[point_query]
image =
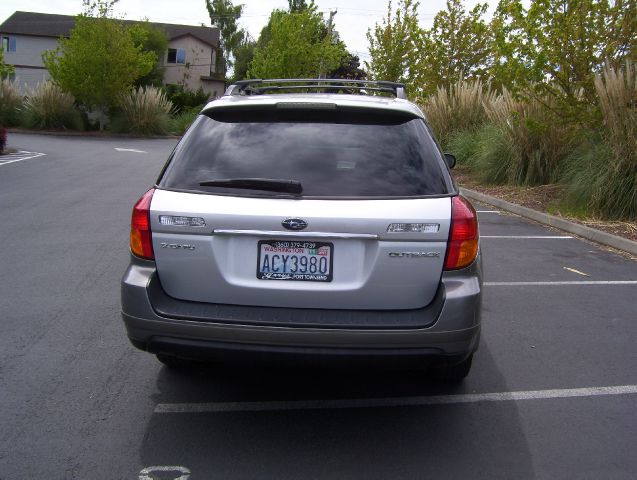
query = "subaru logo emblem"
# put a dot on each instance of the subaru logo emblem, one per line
(294, 223)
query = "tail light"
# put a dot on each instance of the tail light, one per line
(141, 239)
(463, 235)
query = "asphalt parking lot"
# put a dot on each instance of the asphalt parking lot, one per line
(552, 393)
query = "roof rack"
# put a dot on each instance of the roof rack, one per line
(258, 86)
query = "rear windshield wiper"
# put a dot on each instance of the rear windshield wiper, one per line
(268, 184)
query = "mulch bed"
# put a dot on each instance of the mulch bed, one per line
(544, 198)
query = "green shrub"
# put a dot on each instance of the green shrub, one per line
(185, 99)
(464, 145)
(602, 171)
(145, 111)
(519, 142)
(181, 122)
(458, 108)
(533, 139)
(10, 103)
(485, 151)
(594, 186)
(47, 106)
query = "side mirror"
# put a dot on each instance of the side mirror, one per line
(451, 160)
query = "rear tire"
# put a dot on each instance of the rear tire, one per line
(455, 372)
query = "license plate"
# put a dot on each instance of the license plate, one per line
(301, 261)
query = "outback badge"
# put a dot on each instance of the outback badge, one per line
(415, 254)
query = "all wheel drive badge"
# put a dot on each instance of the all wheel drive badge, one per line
(294, 224)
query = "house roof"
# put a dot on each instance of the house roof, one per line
(51, 25)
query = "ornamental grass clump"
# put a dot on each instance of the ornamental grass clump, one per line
(10, 103)
(461, 107)
(182, 121)
(47, 106)
(602, 171)
(525, 142)
(145, 111)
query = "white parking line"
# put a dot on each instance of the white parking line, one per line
(134, 150)
(19, 156)
(574, 282)
(268, 406)
(544, 237)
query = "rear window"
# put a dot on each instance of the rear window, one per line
(331, 153)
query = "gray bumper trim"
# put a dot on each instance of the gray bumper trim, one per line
(166, 306)
(456, 330)
(298, 356)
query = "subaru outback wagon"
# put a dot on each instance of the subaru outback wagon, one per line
(306, 218)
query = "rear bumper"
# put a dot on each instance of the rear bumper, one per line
(450, 326)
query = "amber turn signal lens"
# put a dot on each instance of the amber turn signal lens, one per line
(463, 235)
(141, 240)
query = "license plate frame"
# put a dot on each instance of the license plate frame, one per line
(292, 249)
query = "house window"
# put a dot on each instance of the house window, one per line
(176, 55)
(8, 44)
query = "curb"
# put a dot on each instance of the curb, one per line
(583, 231)
(89, 134)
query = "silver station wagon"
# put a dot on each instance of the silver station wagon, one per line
(306, 219)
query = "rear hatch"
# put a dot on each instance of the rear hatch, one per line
(305, 208)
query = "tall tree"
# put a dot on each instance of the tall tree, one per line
(298, 46)
(224, 15)
(99, 8)
(150, 38)
(244, 54)
(349, 68)
(508, 68)
(457, 46)
(394, 45)
(296, 6)
(565, 42)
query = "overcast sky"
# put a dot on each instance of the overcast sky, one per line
(352, 21)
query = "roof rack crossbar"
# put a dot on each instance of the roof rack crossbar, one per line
(260, 90)
(242, 87)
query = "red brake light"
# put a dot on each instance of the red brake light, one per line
(141, 241)
(463, 235)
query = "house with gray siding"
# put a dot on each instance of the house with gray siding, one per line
(189, 61)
